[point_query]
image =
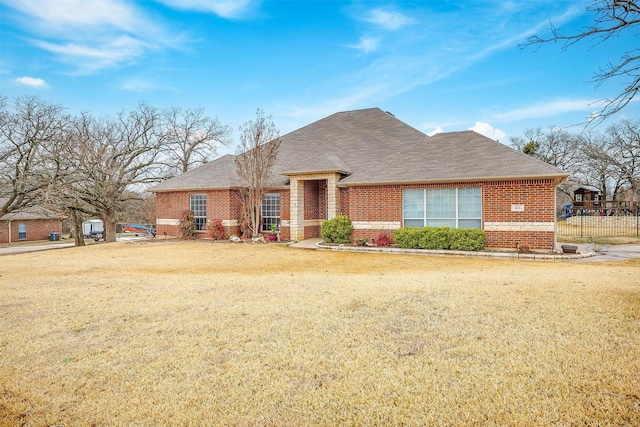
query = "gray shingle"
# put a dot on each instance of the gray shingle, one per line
(31, 212)
(372, 146)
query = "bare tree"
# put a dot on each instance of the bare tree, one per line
(191, 138)
(596, 165)
(624, 140)
(609, 161)
(31, 131)
(611, 18)
(257, 154)
(113, 157)
(555, 146)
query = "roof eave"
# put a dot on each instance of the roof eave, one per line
(315, 172)
(559, 179)
(234, 187)
(183, 189)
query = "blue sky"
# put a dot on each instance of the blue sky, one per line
(436, 65)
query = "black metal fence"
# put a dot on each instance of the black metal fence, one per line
(599, 222)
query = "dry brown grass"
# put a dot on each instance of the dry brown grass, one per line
(172, 333)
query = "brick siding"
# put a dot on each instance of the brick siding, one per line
(37, 229)
(379, 208)
(384, 204)
(221, 204)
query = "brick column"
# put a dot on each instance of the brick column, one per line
(333, 196)
(296, 194)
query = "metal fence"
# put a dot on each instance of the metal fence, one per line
(599, 222)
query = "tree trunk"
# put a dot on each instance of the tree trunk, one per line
(109, 233)
(77, 228)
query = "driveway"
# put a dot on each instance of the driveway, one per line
(609, 252)
(18, 248)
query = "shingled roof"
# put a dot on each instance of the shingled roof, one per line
(28, 213)
(373, 147)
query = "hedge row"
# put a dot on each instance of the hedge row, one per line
(438, 238)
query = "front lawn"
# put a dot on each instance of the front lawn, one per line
(195, 333)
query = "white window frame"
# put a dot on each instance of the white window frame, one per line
(269, 216)
(198, 205)
(22, 231)
(426, 219)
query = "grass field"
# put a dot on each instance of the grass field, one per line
(196, 333)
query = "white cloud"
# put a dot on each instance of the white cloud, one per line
(547, 109)
(88, 58)
(489, 131)
(436, 130)
(63, 18)
(367, 44)
(138, 85)
(222, 8)
(388, 20)
(31, 81)
(91, 34)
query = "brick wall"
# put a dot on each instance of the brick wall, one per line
(221, 204)
(377, 209)
(37, 229)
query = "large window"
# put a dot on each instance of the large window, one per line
(452, 207)
(198, 205)
(270, 211)
(22, 231)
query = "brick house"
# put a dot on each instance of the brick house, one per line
(29, 224)
(383, 174)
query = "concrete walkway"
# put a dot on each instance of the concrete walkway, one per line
(22, 248)
(306, 244)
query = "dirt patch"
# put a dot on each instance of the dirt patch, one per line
(191, 333)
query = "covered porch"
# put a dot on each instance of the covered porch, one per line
(314, 198)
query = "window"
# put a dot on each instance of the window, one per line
(198, 205)
(578, 197)
(451, 207)
(270, 211)
(22, 231)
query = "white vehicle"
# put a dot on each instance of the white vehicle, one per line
(93, 229)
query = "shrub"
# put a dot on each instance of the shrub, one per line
(407, 237)
(216, 230)
(467, 239)
(337, 230)
(383, 239)
(435, 238)
(187, 225)
(438, 238)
